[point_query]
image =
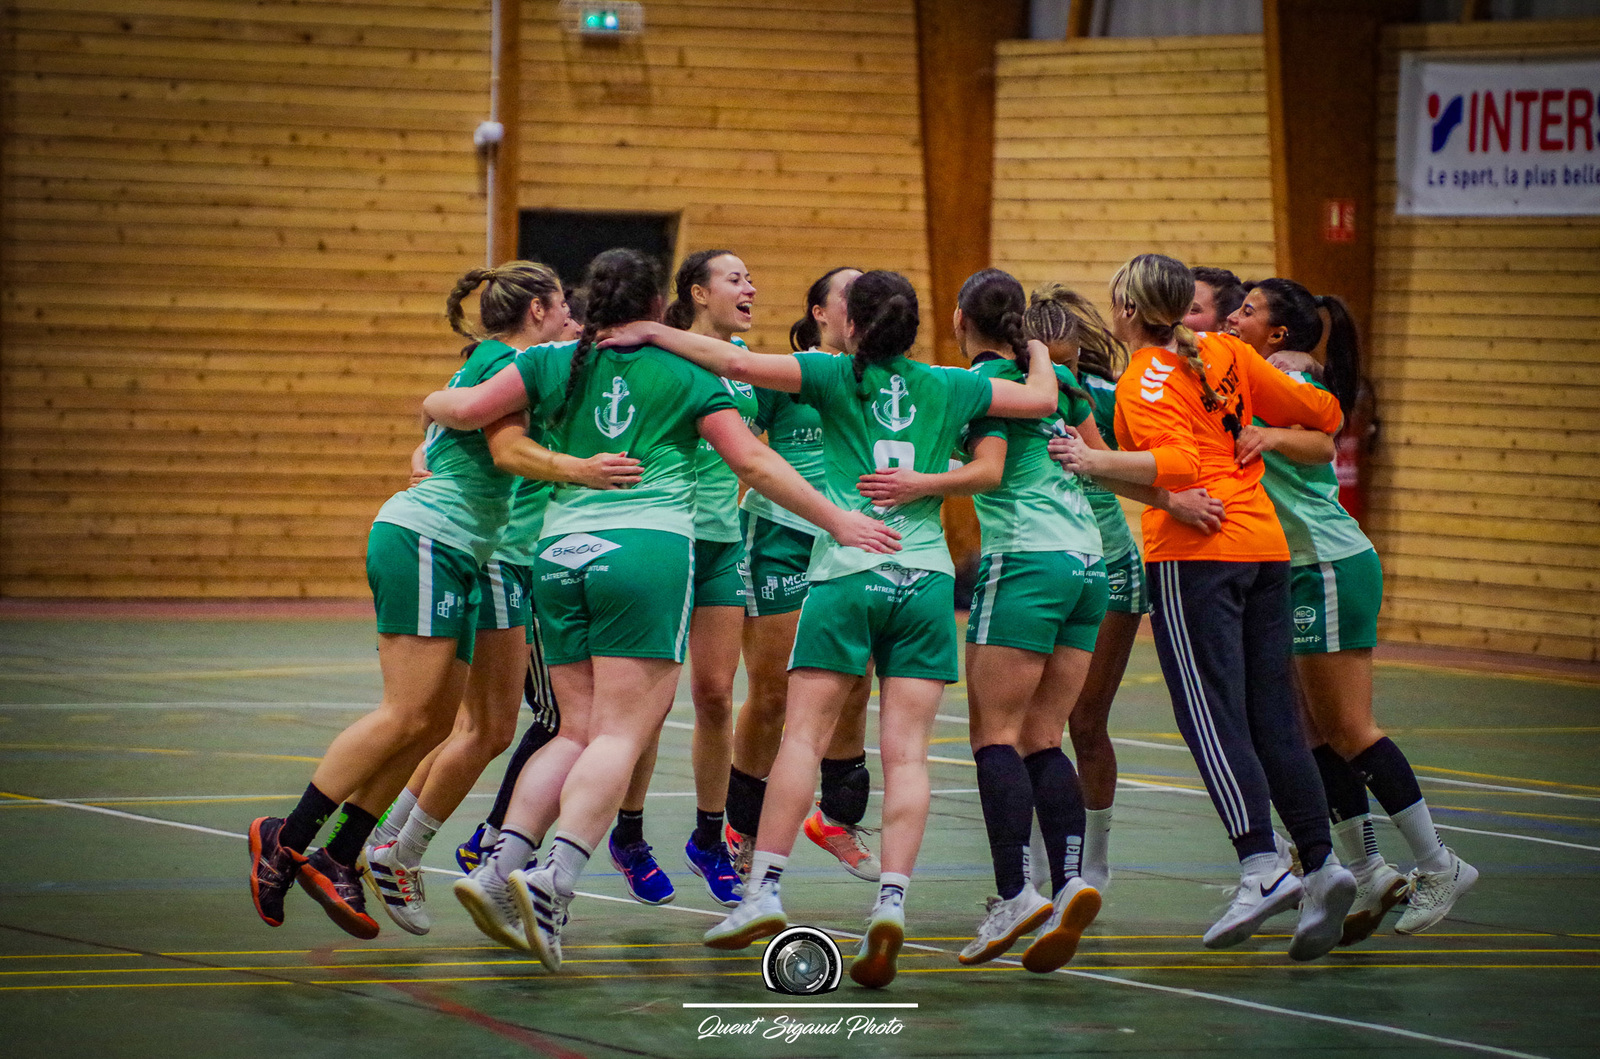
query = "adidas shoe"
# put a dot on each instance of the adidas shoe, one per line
(544, 913)
(714, 867)
(756, 917)
(874, 965)
(741, 849)
(399, 888)
(337, 888)
(1256, 899)
(844, 842)
(1005, 920)
(1434, 893)
(470, 853)
(1073, 909)
(488, 900)
(1328, 894)
(647, 883)
(1377, 890)
(272, 869)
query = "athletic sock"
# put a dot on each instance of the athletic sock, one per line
(1059, 801)
(846, 783)
(892, 889)
(491, 835)
(1259, 866)
(350, 835)
(568, 858)
(767, 870)
(1097, 846)
(1392, 781)
(532, 740)
(707, 830)
(746, 794)
(394, 818)
(306, 819)
(511, 853)
(1006, 793)
(1255, 843)
(1356, 843)
(415, 836)
(1347, 796)
(1416, 824)
(629, 828)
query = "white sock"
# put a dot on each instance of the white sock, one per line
(1416, 824)
(388, 828)
(415, 836)
(1350, 839)
(767, 871)
(892, 888)
(1259, 865)
(568, 858)
(1097, 847)
(491, 835)
(511, 853)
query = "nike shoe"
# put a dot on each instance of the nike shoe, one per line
(1378, 889)
(714, 867)
(470, 853)
(646, 881)
(272, 869)
(1005, 920)
(1073, 909)
(337, 889)
(1434, 893)
(1257, 899)
(844, 842)
(1327, 896)
(399, 888)
(487, 899)
(544, 913)
(756, 917)
(874, 965)
(741, 850)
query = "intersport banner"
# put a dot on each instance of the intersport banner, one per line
(1498, 137)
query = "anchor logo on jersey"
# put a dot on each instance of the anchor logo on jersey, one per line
(888, 412)
(612, 423)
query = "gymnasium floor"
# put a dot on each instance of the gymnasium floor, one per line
(133, 754)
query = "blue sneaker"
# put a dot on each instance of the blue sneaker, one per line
(470, 853)
(716, 868)
(646, 881)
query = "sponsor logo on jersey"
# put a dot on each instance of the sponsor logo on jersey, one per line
(895, 412)
(1153, 383)
(608, 415)
(514, 597)
(1304, 618)
(741, 389)
(446, 606)
(577, 549)
(1117, 582)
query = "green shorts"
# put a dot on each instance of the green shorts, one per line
(1336, 604)
(507, 596)
(719, 574)
(776, 560)
(421, 587)
(1127, 591)
(1038, 601)
(623, 593)
(904, 620)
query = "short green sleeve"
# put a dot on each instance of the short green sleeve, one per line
(706, 394)
(822, 377)
(767, 408)
(970, 395)
(544, 372)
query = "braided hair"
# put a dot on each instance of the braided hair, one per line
(694, 272)
(622, 286)
(511, 289)
(1160, 290)
(1057, 314)
(883, 307)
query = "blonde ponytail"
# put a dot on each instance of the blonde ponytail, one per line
(511, 289)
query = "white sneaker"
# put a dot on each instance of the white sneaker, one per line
(1434, 893)
(488, 901)
(544, 912)
(399, 888)
(874, 965)
(1071, 913)
(1257, 899)
(1378, 889)
(1005, 921)
(758, 916)
(1329, 893)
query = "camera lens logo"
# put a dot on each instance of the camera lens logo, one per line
(802, 961)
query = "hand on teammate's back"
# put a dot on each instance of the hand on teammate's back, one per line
(1196, 508)
(610, 470)
(858, 530)
(892, 486)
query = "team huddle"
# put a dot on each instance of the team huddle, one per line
(576, 500)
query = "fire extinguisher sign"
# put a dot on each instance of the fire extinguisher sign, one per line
(1339, 220)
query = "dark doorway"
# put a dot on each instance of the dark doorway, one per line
(567, 240)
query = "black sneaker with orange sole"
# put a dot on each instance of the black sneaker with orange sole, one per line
(272, 869)
(337, 889)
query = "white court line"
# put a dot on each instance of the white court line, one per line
(1512, 790)
(802, 1004)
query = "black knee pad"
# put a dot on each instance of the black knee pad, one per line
(746, 794)
(845, 786)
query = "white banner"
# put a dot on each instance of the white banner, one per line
(1498, 137)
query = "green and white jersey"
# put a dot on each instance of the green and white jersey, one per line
(716, 500)
(902, 414)
(1037, 507)
(1318, 527)
(519, 542)
(465, 501)
(1115, 536)
(794, 430)
(642, 401)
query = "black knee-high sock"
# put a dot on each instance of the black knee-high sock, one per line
(355, 825)
(1059, 800)
(307, 819)
(1347, 797)
(629, 828)
(845, 786)
(707, 829)
(746, 794)
(1007, 797)
(1388, 774)
(535, 737)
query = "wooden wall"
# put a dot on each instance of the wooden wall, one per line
(1486, 358)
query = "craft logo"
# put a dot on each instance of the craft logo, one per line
(1304, 617)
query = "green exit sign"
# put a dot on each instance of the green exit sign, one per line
(619, 18)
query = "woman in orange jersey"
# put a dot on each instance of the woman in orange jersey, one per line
(1221, 618)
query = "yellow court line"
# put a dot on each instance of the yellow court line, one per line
(1509, 812)
(557, 977)
(951, 739)
(168, 751)
(1463, 671)
(165, 801)
(101, 676)
(139, 985)
(1524, 730)
(1513, 779)
(74, 956)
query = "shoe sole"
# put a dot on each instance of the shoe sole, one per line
(751, 932)
(732, 902)
(522, 894)
(1054, 950)
(822, 842)
(255, 884)
(875, 967)
(1317, 944)
(1472, 881)
(1001, 945)
(477, 907)
(1358, 926)
(356, 924)
(667, 900)
(1280, 904)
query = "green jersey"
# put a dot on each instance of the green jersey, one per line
(465, 500)
(794, 430)
(901, 414)
(716, 497)
(519, 543)
(641, 401)
(1037, 507)
(1318, 527)
(1114, 534)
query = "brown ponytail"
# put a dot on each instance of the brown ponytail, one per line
(512, 289)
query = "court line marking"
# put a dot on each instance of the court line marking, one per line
(1514, 779)
(196, 674)
(802, 1004)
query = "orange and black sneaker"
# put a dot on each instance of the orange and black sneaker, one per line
(337, 888)
(844, 842)
(272, 869)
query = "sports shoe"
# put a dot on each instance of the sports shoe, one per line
(488, 900)
(1256, 899)
(713, 866)
(337, 889)
(1434, 893)
(470, 853)
(646, 881)
(756, 917)
(741, 849)
(844, 842)
(272, 869)
(1377, 890)
(544, 913)
(1071, 913)
(1327, 896)
(399, 888)
(874, 965)
(1005, 920)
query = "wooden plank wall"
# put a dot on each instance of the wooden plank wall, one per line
(1486, 358)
